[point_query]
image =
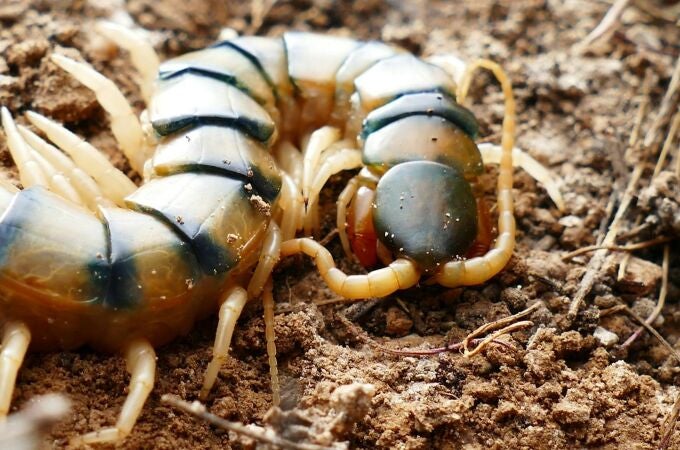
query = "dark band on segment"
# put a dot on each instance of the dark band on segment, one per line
(430, 103)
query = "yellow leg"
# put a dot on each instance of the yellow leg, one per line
(319, 141)
(293, 207)
(232, 305)
(268, 304)
(344, 200)
(142, 53)
(112, 182)
(401, 274)
(14, 345)
(269, 256)
(125, 125)
(87, 189)
(30, 172)
(478, 270)
(141, 363)
(491, 154)
(344, 159)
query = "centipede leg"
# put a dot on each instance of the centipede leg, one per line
(232, 305)
(344, 200)
(344, 159)
(30, 172)
(86, 188)
(319, 141)
(141, 364)
(268, 305)
(293, 206)
(113, 183)
(14, 345)
(269, 256)
(400, 274)
(142, 53)
(125, 125)
(491, 154)
(34, 168)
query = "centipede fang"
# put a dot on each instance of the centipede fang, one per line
(89, 258)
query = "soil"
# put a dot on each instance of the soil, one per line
(554, 385)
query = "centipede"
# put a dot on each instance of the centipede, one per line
(90, 258)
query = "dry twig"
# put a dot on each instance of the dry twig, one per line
(197, 409)
(617, 248)
(608, 24)
(659, 304)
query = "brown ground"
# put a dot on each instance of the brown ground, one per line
(559, 387)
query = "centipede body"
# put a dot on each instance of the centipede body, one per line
(148, 263)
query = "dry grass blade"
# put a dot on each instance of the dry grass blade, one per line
(609, 22)
(596, 262)
(492, 338)
(667, 104)
(617, 248)
(667, 144)
(456, 346)
(500, 324)
(660, 303)
(669, 425)
(259, 434)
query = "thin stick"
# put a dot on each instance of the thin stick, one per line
(617, 248)
(453, 347)
(668, 13)
(596, 262)
(495, 325)
(666, 104)
(662, 298)
(608, 23)
(197, 409)
(669, 424)
(667, 144)
(487, 340)
(642, 109)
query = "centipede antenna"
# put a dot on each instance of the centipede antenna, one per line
(125, 125)
(112, 182)
(491, 154)
(30, 172)
(142, 53)
(477, 270)
(87, 188)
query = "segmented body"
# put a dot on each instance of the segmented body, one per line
(197, 223)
